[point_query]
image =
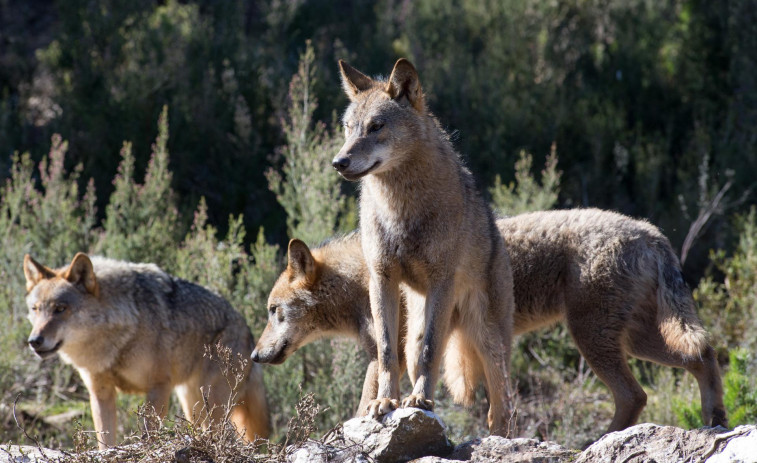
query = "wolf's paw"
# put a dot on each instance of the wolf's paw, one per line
(418, 401)
(377, 408)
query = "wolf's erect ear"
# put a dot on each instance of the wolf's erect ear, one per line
(301, 262)
(404, 83)
(353, 81)
(81, 272)
(35, 272)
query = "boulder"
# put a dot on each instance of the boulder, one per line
(650, 442)
(402, 435)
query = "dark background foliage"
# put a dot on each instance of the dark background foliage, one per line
(638, 96)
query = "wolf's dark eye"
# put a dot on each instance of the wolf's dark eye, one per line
(272, 309)
(59, 308)
(375, 127)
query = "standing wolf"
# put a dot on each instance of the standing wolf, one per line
(615, 281)
(135, 328)
(426, 228)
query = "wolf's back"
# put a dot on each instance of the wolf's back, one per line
(162, 300)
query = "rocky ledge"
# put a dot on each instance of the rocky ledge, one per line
(419, 436)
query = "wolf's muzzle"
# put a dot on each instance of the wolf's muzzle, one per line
(37, 343)
(340, 164)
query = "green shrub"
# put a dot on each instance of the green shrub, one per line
(309, 190)
(740, 388)
(526, 194)
(727, 304)
(142, 221)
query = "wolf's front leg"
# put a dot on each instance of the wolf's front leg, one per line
(102, 399)
(384, 296)
(436, 313)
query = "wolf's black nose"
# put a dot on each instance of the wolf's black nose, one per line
(36, 341)
(341, 163)
(255, 357)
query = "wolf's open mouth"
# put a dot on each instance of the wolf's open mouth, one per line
(47, 353)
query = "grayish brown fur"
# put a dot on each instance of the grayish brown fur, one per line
(135, 328)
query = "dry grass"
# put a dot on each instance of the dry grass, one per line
(182, 440)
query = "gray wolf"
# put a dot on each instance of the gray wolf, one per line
(613, 280)
(134, 328)
(425, 228)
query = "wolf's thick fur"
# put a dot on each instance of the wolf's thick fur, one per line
(425, 228)
(613, 279)
(135, 328)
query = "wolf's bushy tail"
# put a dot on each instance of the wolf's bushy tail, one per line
(462, 370)
(676, 314)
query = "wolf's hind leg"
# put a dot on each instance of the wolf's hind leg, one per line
(650, 345)
(599, 341)
(492, 338)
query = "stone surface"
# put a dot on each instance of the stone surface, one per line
(738, 446)
(499, 449)
(29, 454)
(402, 435)
(650, 442)
(418, 436)
(317, 452)
(495, 448)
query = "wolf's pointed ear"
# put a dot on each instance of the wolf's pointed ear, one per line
(81, 272)
(35, 272)
(301, 261)
(353, 81)
(404, 83)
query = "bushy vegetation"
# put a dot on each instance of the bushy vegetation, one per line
(636, 95)
(651, 107)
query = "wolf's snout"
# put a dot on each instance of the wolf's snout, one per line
(255, 356)
(340, 164)
(35, 342)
